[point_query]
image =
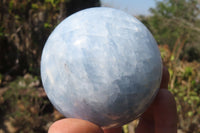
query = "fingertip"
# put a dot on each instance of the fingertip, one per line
(165, 97)
(71, 125)
(165, 78)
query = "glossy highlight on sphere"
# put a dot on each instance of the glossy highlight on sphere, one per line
(101, 65)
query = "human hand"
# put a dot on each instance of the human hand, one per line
(161, 117)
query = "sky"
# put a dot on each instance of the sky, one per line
(134, 7)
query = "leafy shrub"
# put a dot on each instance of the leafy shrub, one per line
(24, 104)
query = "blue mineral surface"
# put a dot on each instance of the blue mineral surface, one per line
(101, 65)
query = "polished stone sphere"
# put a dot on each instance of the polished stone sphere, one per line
(101, 65)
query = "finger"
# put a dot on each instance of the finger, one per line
(165, 79)
(165, 114)
(70, 125)
(113, 130)
(146, 123)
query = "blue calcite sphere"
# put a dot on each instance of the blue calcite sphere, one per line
(101, 65)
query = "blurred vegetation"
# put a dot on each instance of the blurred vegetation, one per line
(25, 26)
(25, 106)
(177, 24)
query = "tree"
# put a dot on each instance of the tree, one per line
(24, 28)
(176, 23)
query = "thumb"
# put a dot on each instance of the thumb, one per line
(71, 125)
